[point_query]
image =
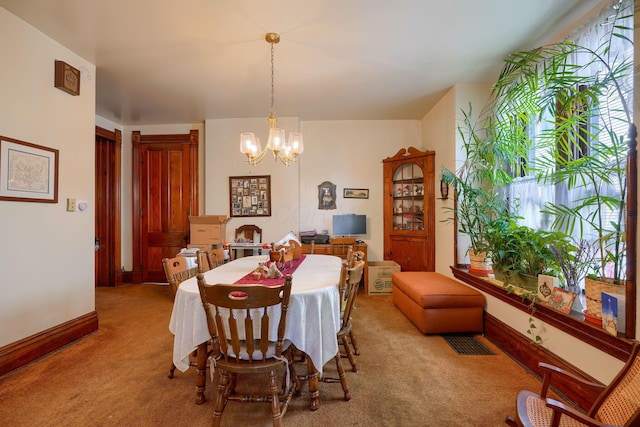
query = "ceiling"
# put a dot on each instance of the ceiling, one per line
(184, 61)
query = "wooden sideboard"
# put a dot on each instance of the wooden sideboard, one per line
(340, 250)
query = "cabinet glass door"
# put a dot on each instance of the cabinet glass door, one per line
(408, 198)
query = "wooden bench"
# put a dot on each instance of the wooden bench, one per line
(437, 304)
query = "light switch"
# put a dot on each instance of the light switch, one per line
(71, 205)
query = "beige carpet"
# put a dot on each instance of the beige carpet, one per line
(117, 376)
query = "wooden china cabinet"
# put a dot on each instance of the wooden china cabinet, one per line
(409, 203)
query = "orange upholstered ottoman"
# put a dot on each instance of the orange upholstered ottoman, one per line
(437, 304)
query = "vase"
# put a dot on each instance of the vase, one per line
(593, 292)
(480, 264)
(578, 305)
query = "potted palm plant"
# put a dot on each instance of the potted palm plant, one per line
(476, 201)
(584, 147)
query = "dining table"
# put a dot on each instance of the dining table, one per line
(313, 316)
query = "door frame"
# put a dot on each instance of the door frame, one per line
(137, 140)
(108, 214)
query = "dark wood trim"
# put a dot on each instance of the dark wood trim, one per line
(136, 272)
(631, 230)
(109, 206)
(20, 353)
(193, 141)
(573, 325)
(529, 354)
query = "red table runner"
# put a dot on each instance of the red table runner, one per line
(287, 268)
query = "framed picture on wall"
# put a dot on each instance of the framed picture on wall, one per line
(250, 195)
(355, 193)
(28, 172)
(327, 196)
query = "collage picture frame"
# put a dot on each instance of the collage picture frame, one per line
(250, 195)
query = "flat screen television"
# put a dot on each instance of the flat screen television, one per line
(349, 225)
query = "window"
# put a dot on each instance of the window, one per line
(563, 112)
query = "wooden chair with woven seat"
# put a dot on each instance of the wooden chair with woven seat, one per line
(618, 403)
(239, 318)
(177, 271)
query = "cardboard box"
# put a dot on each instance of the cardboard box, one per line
(380, 277)
(207, 229)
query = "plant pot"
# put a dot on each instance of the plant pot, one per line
(505, 276)
(591, 319)
(593, 291)
(480, 263)
(528, 282)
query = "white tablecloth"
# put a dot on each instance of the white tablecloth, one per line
(313, 319)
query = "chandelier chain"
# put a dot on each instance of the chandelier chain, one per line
(273, 112)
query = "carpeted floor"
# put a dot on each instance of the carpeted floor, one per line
(117, 376)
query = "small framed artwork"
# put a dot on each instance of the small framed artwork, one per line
(67, 78)
(356, 193)
(561, 300)
(28, 172)
(326, 196)
(546, 284)
(250, 195)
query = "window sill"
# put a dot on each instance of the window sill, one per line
(572, 324)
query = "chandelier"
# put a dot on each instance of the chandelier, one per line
(285, 151)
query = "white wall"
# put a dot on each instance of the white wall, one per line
(47, 267)
(349, 154)
(439, 134)
(346, 153)
(223, 159)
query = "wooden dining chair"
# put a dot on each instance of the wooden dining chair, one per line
(348, 298)
(177, 271)
(202, 258)
(251, 232)
(215, 257)
(339, 246)
(348, 289)
(355, 256)
(239, 318)
(617, 405)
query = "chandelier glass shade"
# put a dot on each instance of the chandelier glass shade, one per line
(287, 151)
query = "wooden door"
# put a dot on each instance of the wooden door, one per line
(165, 193)
(108, 258)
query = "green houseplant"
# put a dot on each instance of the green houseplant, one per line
(583, 148)
(474, 183)
(520, 253)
